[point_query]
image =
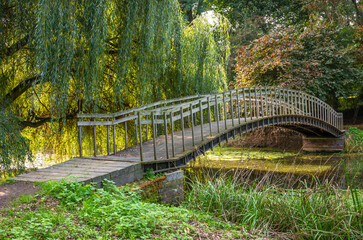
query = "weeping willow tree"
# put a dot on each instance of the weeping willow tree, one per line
(59, 58)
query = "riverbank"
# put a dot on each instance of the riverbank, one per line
(219, 209)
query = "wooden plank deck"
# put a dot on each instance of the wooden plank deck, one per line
(88, 169)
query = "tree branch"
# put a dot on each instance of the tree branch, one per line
(18, 90)
(41, 121)
(16, 46)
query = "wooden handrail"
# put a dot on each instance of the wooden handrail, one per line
(238, 105)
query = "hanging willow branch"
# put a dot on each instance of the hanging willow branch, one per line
(134, 52)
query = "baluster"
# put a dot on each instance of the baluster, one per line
(125, 128)
(262, 102)
(225, 110)
(209, 116)
(140, 134)
(182, 127)
(108, 138)
(266, 102)
(238, 108)
(256, 104)
(216, 113)
(147, 128)
(201, 119)
(192, 124)
(166, 136)
(94, 139)
(306, 98)
(280, 103)
(172, 134)
(249, 91)
(284, 100)
(273, 100)
(80, 140)
(114, 136)
(244, 104)
(136, 127)
(154, 134)
(231, 100)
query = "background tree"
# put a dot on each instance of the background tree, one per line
(318, 52)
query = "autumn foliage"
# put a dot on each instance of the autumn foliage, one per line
(318, 58)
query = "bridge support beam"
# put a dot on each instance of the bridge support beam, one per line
(315, 144)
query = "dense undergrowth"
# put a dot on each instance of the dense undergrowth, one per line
(68, 210)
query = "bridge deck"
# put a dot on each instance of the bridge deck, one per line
(95, 169)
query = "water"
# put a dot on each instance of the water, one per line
(286, 169)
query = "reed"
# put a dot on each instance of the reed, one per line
(318, 211)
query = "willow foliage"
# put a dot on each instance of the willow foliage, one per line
(59, 58)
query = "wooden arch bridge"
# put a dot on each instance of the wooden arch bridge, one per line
(166, 135)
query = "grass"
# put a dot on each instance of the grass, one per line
(354, 140)
(319, 212)
(70, 210)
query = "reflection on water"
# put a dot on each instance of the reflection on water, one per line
(286, 169)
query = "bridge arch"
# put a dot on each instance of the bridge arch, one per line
(173, 132)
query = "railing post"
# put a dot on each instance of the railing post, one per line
(231, 100)
(290, 101)
(192, 123)
(172, 134)
(238, 107)
(306, 100)
(285, 102)
(261, 102)
(272, 100)
(249, 91)
(140, 134)
(108, 138)
(114, 136)
(216, 113)
(266, 102)
(244, 104)
(154, 134)
(94, 139)
(125, 128)
(296, 103)
(80, 140)
(225, 110)
(136, 131)
(182, 127)
(166, 136)
(201, 119)
(257, 105)
(209, 117)
(147, 130)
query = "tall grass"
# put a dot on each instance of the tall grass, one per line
(354, 140)
(322, 211)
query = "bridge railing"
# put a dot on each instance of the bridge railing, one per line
(231, 107)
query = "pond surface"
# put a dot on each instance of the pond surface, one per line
(286, 169)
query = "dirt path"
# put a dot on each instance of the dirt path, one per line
(10, 191)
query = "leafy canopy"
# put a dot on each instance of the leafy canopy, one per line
(59, 58)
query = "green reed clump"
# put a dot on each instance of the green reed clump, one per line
(321, 212)
(354, 140)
